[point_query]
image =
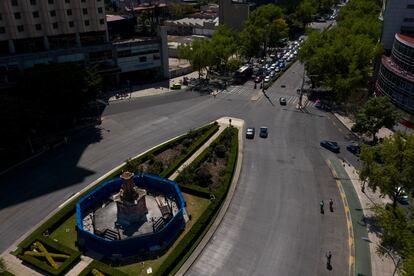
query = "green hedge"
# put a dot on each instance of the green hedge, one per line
(6, 273)
(68, 210)
(190, 151)
(189, 242)
(103, 268)
(50, 225)
(57, 248)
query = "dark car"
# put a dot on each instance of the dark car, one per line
(250, 133)
(263, 132)
(282, 101)
(330, 145)
(355, 149)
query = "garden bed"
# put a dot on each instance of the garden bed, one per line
(49, 256)
(214, 187)
(171, 154)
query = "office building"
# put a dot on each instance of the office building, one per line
(397, 17)
(396, 75)
(36, 32)
(233, 13)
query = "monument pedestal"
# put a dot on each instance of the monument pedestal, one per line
(130, 202)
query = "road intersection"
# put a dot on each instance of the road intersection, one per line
(273, 225)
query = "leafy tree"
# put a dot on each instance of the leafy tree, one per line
(264, 27)
(397, 236)
(199, 53)
(223, 45)
(378, 112)
(341, 58)
(305, 12)
(394, 173)
(203, 177)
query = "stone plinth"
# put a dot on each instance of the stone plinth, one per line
(130, 202)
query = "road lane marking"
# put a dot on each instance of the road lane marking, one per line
(348, 218)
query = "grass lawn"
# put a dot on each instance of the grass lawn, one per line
(195, 207)
(66, 233)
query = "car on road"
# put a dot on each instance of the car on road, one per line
(282, 101)
(330, 145)
(267, 79)
(263, 132)
(250, 132)
(354, 149)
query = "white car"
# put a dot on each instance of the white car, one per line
(250, 133)
(267, 79)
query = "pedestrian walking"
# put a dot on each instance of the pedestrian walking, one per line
(321, 204)
(331, 205)
(328, 260)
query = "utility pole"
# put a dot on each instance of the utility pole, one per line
(301, 88)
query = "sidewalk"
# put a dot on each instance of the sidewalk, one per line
(348, 123)
(380, 266)
(153, 88)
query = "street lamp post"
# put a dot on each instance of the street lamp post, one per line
(396, 263)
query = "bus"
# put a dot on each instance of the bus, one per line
(243, 74)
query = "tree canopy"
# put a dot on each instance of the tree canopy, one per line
(264, 27)
(397, 236)
(388, 166)
(377, 112)
(215, 52)
(342, 57)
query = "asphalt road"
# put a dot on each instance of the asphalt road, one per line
(273, 225)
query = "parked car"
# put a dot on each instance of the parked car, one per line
(175, 86)
(403, 196)
(282, 101)
(267, 79)
(354, 149)
(250, 132)
(330, 145)
(263, 132)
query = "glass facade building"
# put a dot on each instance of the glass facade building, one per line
(396, 74)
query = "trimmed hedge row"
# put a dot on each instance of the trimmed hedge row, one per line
(6, 273)
(193, 188)
(50, 244)
(101, 267)
(68, 210)
(190, 151)
(197, 232)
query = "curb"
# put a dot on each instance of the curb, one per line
(207, 237)
(360, 253)
(73, 197)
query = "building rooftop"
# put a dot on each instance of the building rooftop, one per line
(194, 22)
(407, 40)
(113, 17)
(393, 67)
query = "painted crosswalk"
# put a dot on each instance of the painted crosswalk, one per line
(294, 100)
(236, 90)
